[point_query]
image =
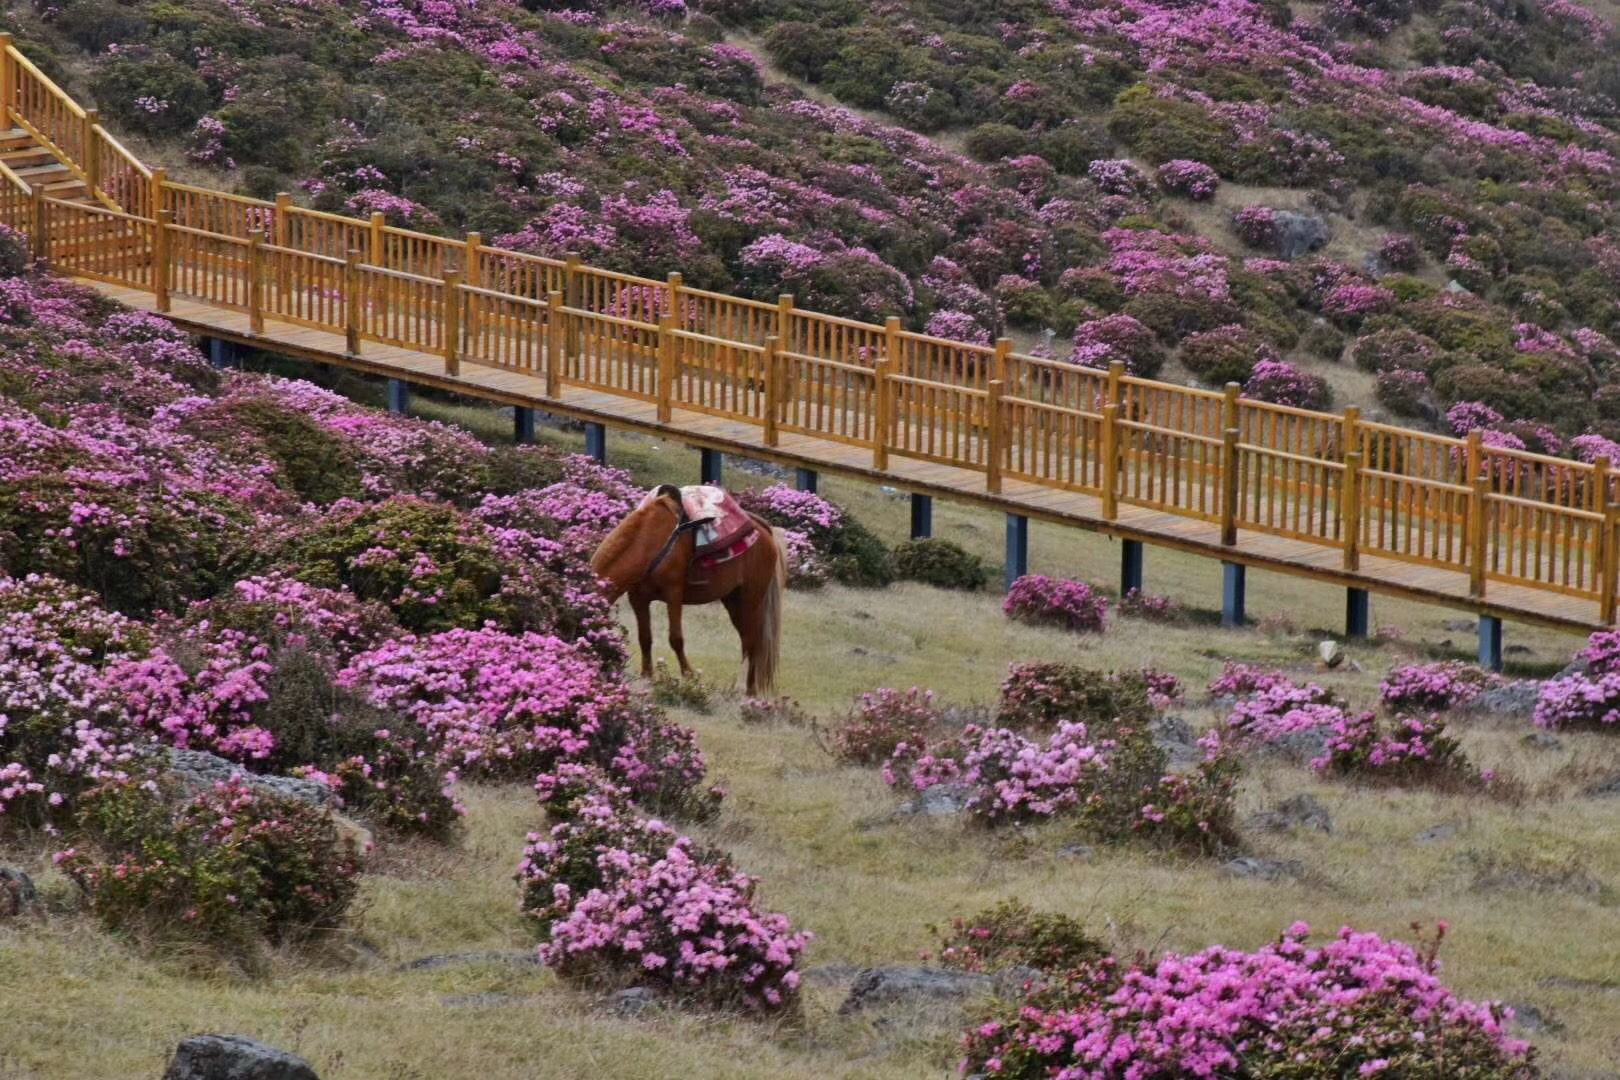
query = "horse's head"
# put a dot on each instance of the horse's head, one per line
(626, 554)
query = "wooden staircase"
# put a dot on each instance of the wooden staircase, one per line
(40, 168)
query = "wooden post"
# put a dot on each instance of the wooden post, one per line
(1350, 431)
(8, 81)
(92, 151)
(667, 345)
(353, 302)
(160, 177)
(998, 361)
(1230, 463)
(992, 462)
(452, 323)
(1478, 537)
(784, 321)
(1116, 383)
(375, 251)
(891, 342)
(1608, 575)
(475, 308)
(1474, 456)
(474, 274)
(280, 224)
(256, 281)
(573, 287)
(673, 298)
(773, 375)
(36, 219)
(1229, 405)
(1108, 462)
(1350, 510)
(160, 258)
(282, 216)
(556, 344)
(882, 422)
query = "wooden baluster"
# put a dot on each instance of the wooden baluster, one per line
(666, 367)
(1108, 462)
(773, 381)
(1478, 536)
(1350, 510)
(556, 344)
(882, 421)
(160, 259)
(673, 300)
(784, 323)
(256, 281)
(353, 302)
(37, 223)
(998, 360)
(992, 466)
(1609, 563)
(157, 195)
(891, 345)
(1230, 482)
(452, 323)
(573, 288)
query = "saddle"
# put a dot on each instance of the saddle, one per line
(724, 529)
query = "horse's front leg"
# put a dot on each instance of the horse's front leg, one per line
(677, 639)
(643, 609)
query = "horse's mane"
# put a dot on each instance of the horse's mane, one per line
(616, 542)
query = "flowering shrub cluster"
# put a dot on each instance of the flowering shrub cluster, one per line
(1140, 605)
(1433, 687)
(1589, 698)
(1404, 747)
(882, 720)
(1100, 342)
(1193, 179)
(623, 899)
(1281, 383)
(840, 547)
(1073, 605)
(1012, 935)
(1357, 1005)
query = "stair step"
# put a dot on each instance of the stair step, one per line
(29, 152)
(42, 170)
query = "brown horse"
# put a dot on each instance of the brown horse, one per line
(651, 555)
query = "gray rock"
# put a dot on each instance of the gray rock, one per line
(1455, 286)
(913, 986)
(1577, 666)
(1248, 866)
(631, 1002)
(17, 893)
(234, 1057)
(1460, 626)
(1528, 1018)
(835, 972)
(200, 771)
(1330, 652)
(1443, 831)
(1297, 812)
(1299, 747)
(513, 957)
(1606, 788)
(1565, 982)
(1083, 852)
(1514, 699)
(1299, 234)
(940, 800)
(1175, 737)
(1542, 740)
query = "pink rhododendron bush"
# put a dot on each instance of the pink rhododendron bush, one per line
(1072, 605)
(1585, 698)
(1066, 743)
(622, 899)
(1353, 1006)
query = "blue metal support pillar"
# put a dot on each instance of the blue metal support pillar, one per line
(523, 425)
(1017, 548)
(399, 396)
(1132, 564)
(1357, 613)
(1490, 643)
(222, 353)
(710, 471)
(1234, 590)
(596, 442)
(922, 516)
(807, 480)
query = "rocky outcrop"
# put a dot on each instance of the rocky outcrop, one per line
(235, 1057)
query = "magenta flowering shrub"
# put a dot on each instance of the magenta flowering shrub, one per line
(1193, 179)
(882, 720)
(1355, 1006)
(1433, 687)
(1039, 694)
(1240, 680)
(1400, 252)
(1281, 383)
(1116, 177)
(1099, 342)
(1140, 605)
(1353, 301)
(1073, 605)
(1465, 416)
(1277, 710)
(1256, 226)
(1226, 354)
(623, 899)
(1585, 698)
(846, 551)
(1402, 391)
(1405, 747)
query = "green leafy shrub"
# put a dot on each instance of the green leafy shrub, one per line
(675, 690)
(151, 92)
(994, 141)
(228, 868)
(941, 563)
(1227, 354)
(1014, 935)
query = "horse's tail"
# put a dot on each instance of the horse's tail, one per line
(768, 650)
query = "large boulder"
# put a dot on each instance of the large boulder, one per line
(235, 1057)
(1299, 234)
(1298, 812)
(199, 770)
(913, 986)
(17, 895)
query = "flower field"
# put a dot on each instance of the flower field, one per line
(314, 726)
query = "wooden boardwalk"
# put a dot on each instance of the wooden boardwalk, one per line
(1331, 497)
(1269, 552)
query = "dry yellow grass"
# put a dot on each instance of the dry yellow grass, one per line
(74, 1002)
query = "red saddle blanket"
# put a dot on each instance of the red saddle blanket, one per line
(728, 530)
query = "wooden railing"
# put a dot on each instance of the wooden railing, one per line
(1335, 482)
